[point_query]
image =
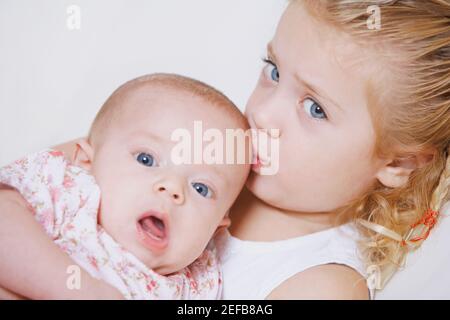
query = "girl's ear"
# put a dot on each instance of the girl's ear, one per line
(83, 155)
(396, 172)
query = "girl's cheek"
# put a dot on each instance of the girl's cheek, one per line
(259, 96)
(252, 102)
(265, 83)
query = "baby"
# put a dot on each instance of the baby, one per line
(148, 232)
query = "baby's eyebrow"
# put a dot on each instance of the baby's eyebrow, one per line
(219, 174)
(218, 177)
(149, 135)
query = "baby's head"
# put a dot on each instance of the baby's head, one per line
(364, 90)
(164, 213)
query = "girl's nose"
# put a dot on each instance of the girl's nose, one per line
(264, 121)
(170, 188)
(267, 115)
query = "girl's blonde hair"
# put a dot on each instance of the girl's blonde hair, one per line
(411, 116)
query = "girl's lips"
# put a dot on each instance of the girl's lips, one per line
(257, 165)
(153, 230)
(261, 161)
(264, 162)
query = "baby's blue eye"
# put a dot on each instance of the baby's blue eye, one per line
(145, 159)
(202, 189)
(271, 71)
(313, 109)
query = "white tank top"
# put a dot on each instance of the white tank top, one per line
(253, 269)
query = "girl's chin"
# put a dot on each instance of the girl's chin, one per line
(263, 188)
(252, 180)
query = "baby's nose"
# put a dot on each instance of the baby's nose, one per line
(170, 189)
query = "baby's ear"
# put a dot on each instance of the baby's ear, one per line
(397, 172)
(83, 155)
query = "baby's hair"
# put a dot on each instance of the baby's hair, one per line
(413, 42)
(174, 83)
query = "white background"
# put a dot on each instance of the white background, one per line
(53, 79)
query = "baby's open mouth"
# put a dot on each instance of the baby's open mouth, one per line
(154, 227)
(153, 230)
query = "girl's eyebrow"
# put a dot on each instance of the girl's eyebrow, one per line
(311, 87)
(270, 52)
(317, 91)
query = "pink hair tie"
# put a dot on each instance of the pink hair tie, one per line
(419, 231)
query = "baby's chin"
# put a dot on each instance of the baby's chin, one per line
(165, 269)
(160, 263)
(167, 265)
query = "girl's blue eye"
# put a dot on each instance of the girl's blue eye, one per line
(271, 71)
(202, 189)
(313, 109)
(145, 159)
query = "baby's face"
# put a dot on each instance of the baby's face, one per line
(164, 214)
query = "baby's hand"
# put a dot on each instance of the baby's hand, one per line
(40, 271)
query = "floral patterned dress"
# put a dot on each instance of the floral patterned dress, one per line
(65, 200)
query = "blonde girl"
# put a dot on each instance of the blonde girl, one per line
(360, 93)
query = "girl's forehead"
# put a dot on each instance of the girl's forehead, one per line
(300, 32)
(315, 53)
